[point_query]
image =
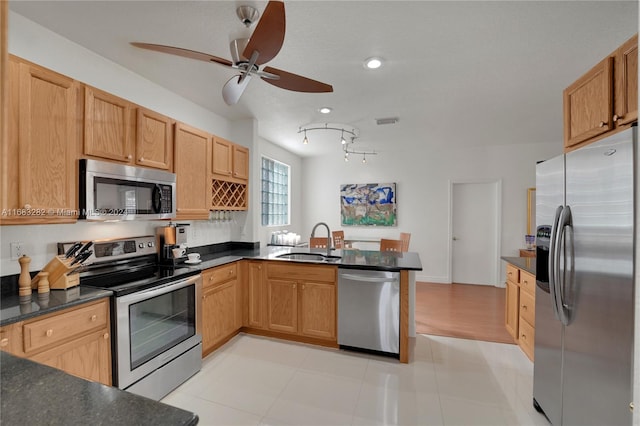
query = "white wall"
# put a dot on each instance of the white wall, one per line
(422, 180)
(39, 45)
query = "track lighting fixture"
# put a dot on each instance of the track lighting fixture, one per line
(348, 135)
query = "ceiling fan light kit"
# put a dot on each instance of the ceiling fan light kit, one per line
(252, 53)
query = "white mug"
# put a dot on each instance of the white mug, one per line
(178, 252)
(193, 257)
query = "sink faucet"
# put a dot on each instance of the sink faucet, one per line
(313, 234)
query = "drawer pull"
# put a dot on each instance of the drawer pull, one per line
(602, 124)
(617, 117)
(94, 318)
(105, 336)
(211, 278)
(294, 286)
(4, 342)
(230, 271)
(524, 307)
(128, 157)
(49, 332)
(524, 337)
(510, 273)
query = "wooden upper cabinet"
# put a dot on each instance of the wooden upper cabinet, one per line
(604, 99)
(154, 140)
(229, 161)
(193, 189)
(108, 126)
(39, 175)
(588, 104)
(626, 83)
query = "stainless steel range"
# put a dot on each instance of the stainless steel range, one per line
(155, 313)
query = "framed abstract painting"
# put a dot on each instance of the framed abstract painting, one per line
(368, 204)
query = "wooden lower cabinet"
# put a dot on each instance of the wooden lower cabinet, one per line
(520, 308)
(76, 340)
(221, 306)
(282, 302)
(318, 310)
(255, 300)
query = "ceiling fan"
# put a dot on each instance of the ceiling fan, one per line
(250, 54)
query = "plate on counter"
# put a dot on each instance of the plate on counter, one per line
(192, 262)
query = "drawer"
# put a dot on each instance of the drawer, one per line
(220, 274)
(526, 336)
(63, 326)
(513, 273)
(301, 272)
(528, 283)
(528, 308)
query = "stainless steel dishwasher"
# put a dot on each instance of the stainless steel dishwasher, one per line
(369, 310)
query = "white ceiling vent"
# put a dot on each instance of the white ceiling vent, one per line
(389, 120)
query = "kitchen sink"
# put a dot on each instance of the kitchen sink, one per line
(313, 257)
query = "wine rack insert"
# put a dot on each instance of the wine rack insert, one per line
(228, 195)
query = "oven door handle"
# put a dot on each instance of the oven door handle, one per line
(157, 291)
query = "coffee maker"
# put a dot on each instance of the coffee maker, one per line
(172, 237)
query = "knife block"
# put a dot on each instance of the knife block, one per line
(59, 277)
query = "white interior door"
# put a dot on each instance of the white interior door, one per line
(474, 233)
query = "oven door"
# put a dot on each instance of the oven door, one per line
(155, 326)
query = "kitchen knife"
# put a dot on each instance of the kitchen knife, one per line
(82, 257)
(72, 250)
(84, 249)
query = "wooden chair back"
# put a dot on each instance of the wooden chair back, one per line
(338, 239)
(405, 237)
(318, 242)
(390, 245)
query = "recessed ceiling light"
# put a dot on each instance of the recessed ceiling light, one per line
(373, 63)
(325, 110)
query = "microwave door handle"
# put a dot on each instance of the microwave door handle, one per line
(156, 198)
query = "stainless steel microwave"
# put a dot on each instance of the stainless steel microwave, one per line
(110, 191)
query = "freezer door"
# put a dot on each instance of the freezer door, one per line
(597, 283)
(547, 368)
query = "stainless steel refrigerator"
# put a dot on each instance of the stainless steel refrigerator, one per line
(585, 204)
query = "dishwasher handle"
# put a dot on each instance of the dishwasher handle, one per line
(354, 277)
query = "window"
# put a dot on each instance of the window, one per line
(275, 192)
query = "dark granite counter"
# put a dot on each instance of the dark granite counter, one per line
(35, 394)
(12, 309)
(525, 263)
(349, 258)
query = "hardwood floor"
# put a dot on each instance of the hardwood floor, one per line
(461, 310)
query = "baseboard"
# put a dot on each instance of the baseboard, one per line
(428, 279)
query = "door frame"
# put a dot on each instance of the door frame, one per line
(498, 236)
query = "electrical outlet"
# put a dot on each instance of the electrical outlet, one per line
(17, 250)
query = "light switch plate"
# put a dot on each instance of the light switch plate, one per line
(17, 250)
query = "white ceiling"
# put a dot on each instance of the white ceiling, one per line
(456, 73)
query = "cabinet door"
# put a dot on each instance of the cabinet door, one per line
(588, 104)
(222, 158)
(240, 162)
(282, 305)
(108, 126)
(256, 296)
(88, 357)
(318, 310)
(626, 82)
(192, 184)
(154, 140)
(511, 314)
(220, 313)
(40, 182)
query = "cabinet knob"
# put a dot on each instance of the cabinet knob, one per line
(128, 157)
(105, 336)
(94, 318)
(230, 272)
(303, 286)
(49, 333)
(602, 124)
(141, 159)
(617, 117)
(4, 342)
(294, 286)
(524, 337)
(524, 307)
(211, 278)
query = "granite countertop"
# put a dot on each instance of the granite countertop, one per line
(12, 309)
(525, 263)
(33, 394)
(350, 258)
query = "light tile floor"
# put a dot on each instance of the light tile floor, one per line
(259, 381)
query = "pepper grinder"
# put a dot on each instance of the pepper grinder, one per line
(24, 280)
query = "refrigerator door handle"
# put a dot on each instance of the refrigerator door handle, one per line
(562, 245)
(552, 263)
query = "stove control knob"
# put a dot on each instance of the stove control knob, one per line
(150, 244)
(141, 245)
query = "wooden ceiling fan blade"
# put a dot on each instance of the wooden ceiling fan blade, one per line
(185, 53)
(268, 36)
(295, 82)
(234, 88)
